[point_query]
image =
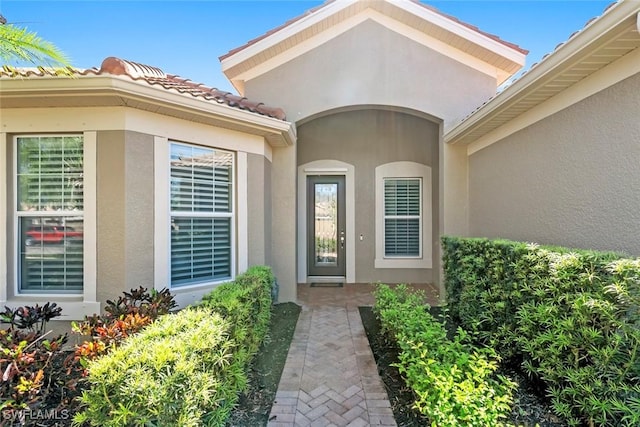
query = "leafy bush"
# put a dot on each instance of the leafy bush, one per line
(246, 304)
(184, 369)
(125, 316)
(38, 376)
(454, 384)
(570, 317)
(178, 371)
(35, 372)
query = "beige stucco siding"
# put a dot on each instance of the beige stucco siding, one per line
(367, 139)
(283, 229)
(125, 217)
(370, 64)
(259, 209)
(572, 179)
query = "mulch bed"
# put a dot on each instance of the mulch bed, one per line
(255, 404)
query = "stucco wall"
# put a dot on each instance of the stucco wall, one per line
(572, 179)
(371, 64)
(259, 209)
(367, 139)
(283, 226)
(125, 219)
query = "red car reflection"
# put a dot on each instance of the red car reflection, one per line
(52, 234)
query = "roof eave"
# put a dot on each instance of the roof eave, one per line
(599, 29)
(113, 90)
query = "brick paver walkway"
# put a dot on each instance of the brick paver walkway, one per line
(330, 377)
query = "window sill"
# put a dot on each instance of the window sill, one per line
(403, 263)
(73, 308)
(191, 294)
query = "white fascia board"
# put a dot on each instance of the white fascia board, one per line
(539, 73)
(124, 87)
(463, 31)
(621, 69)
(286, 32)
(321, 37)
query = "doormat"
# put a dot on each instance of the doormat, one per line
(326, 284)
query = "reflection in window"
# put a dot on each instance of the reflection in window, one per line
(50, 213)
(326, 224)
(201, 214)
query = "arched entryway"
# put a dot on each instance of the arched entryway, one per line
(382, 164)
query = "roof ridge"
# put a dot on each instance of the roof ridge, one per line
(119, 67)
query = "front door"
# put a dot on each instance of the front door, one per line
(326, 226)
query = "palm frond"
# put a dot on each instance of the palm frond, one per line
(19, 44)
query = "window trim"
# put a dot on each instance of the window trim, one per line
(402, 170)
(3, 218)
(188, 294)
(74, 306)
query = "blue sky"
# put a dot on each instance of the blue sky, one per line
(187, 37)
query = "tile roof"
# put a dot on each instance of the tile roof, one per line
(155, 77)
(315, 9)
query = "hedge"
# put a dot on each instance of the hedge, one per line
(570, 317)
(453, 383)
(186, 368)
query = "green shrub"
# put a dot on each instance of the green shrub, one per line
(125, 316)
(571, 317)
(246, 304)
(453, 383)
(186, 368)
(177, 371)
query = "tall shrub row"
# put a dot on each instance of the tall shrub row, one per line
(569, 317)
(186, 368)
(453, 383)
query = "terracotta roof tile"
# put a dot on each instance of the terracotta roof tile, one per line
(155, 77)
(315, 9)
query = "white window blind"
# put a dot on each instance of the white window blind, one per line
(201, 214)
(49, 212)
(402, 217)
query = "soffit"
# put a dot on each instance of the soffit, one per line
(581, 56)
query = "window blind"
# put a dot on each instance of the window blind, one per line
(402, 206)
(50, 214)
(201, 214)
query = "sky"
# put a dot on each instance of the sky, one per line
(187, 37)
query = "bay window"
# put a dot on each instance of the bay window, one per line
(49, 212)
(201, 211)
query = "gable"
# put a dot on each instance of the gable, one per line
(372, 65)
(413, 20)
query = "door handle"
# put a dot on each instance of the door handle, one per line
(342, 239)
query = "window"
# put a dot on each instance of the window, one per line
(50, 214)
(402, 217)
(201, 188)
